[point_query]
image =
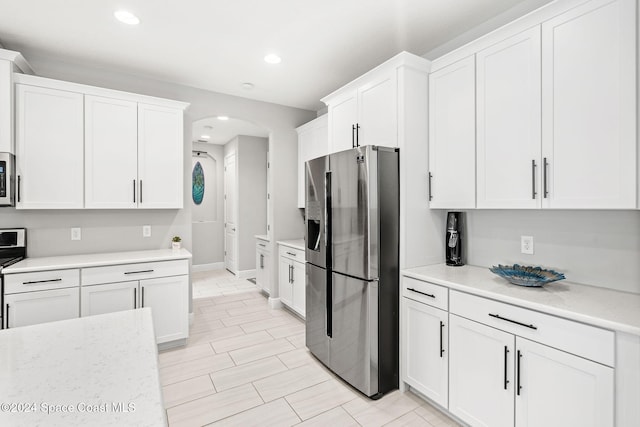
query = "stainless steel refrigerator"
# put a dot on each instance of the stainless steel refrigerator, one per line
(352, 220)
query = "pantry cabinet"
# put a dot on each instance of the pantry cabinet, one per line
(589, 112)
(452, 136)
(79, 147)
(30, 308)
(312, 143)
(508, 123)
(49, 148)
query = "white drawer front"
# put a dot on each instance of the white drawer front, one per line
(263, 246)
(41, 281)
(126, 272)
(582, 340)
(291, 253)
(425, 292)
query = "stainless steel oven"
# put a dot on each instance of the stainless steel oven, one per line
(13, 248)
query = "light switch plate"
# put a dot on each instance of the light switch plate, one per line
(76, 233)
(526, 245)
(146, 231)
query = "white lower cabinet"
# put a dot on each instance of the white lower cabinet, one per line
(292, 278)
(263, 265)
(168, 298)
(426, 354)
(30, 308)
(101, 299)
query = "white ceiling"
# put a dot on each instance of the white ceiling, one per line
(218, 45)
(223, 131)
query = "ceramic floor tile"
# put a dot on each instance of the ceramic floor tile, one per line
(225, 306)
(247, 318)
(379, 412)
(186, 391)
(215, 335)
(184, 354)
(434, 416)
(249, 372)
(276, 413)
(256, 301)
(244, 309)
(241, 341)
(295, 328)
(320, 398)
(260, 351)
(261, 325)
(410, 419)
(200, 325)
(336, 417)
(209, 313)
(298, 340)
(215, 407)
(288, 382)
(194, 368)
(297, 357)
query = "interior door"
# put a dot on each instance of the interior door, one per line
(354, 342)
(316, 337)
(230, 213)
(354, 212)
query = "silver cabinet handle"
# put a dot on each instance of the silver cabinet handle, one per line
(261, 261)
(533, 179)
(430, 194)
(262, 244)
(292, 254)
(544, 178)
(140, 191)
(142, 296)
(41, 281)
(135, 297)
(134, 191)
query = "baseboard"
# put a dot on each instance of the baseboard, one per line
(207, 267)
(246, 274)
(275, 303)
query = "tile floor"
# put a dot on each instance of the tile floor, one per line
(246, 365)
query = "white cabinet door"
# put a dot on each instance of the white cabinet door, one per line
(111, 153)
(426, 350)
(230, 249)
(312, 142)
(168, 298)
(377, 112)
(589, 106)
(558, 388)
(285, 277)
(508, 123)
(49, 147)
(160, 153)
(30, 308)
(266, 273)
(263, 260)
(298, 283)
(480, 373)
(452, 132)
(343, 115)
(108, 298)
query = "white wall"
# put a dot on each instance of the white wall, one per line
(49, 231)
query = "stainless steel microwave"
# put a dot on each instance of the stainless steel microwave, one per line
(7, 179)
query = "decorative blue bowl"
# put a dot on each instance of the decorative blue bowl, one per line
(526, 275)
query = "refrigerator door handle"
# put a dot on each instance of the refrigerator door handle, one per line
(328, 242)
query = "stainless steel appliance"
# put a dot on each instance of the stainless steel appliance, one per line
(453, 247)
(352, 220)
(13, 248)
(7, 184)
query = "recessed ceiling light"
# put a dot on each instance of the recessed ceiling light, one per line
(223, 118)
(272, 58)
(247, 86)
(126, 17)
(205, 136)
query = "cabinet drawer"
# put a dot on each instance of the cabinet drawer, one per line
(425, 292)
(126, 272)
(41, 281)
(263, 246)
(291, 253)
(582, 340)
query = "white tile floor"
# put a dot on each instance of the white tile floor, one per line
(247, 365)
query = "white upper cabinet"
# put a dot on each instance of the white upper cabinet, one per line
(343, 116)
(49, 148)
(452, 136)
(378, 112)
(160, 166)
(508, 123)
(589, 106)
(312, 143)
(111, 153)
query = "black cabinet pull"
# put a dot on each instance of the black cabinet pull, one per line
(506, 352)
(18, 191)
(518, 386)
(140, 191)
(135, 299)
(261, 261)
(41, 281)
(7, 313)
(421, 293)
(134, 191)
(430, 178)
(545, 164)
(138, 272)
(357, 135)
(353, 137)
(262, 244)
(291, 253)
(441, 330)
(533, 179)
(142, 296)
(497, 316)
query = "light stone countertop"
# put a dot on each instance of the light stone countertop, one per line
(295, 244)
(262, 237)
(619, 311)
(83, 364)
(95, 260)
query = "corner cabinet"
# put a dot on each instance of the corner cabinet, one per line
(84, 147)
(292, 278)
(313, 142)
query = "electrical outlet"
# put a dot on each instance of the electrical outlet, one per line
(526, 245)
(76, 233)
(146, 231)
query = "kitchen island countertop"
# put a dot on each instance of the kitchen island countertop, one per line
(97, 370)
